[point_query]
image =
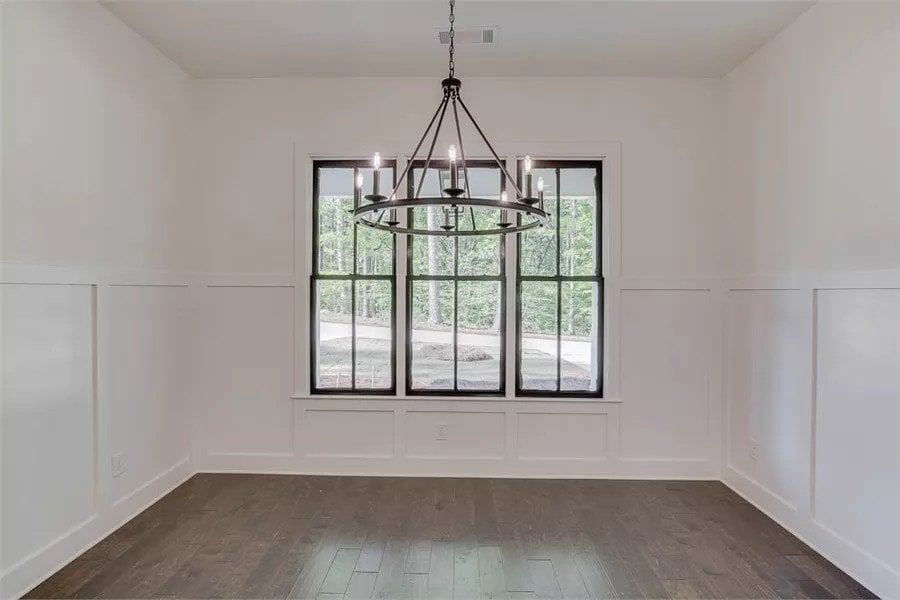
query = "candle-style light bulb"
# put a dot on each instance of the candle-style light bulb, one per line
(454, 172)
(528, 176)
(502, 196)
(541, 192)
(357, 190)
(504, 215)
(392, 214)
(376, 175)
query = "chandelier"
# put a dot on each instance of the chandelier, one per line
(455, 201)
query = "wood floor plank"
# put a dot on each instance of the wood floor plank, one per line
(419, 557)
(466, 581)
(515, 567)
(567, 574)
(361, 585)
(274, 536)
(490, 571)
(390, 581)
(545, 584)
(338, 576)
(594, 574)
(440, 571)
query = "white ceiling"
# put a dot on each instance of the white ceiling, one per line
(280, 38)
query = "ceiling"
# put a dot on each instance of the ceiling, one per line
(282, 38)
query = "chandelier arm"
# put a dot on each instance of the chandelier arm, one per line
(539, 217)
(462, 156)
(500, 163)
(412, 157)
(431, 148)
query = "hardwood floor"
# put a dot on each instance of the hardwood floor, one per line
(277, 536)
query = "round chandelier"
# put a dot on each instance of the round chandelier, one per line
(455, 201)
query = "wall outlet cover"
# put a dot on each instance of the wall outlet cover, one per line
(118, 464)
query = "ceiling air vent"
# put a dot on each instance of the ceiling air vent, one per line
(469, 35)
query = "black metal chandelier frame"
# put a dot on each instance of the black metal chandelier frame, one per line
(380, 213)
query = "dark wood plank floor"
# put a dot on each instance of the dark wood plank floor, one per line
(268, 536)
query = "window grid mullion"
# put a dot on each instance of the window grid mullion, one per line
(353, 286)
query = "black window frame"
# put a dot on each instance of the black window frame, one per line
(352, 277)
(455, 278)
(597, 278)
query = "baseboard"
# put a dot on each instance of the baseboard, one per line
(868, 570)
(509, 468)
(41, 564)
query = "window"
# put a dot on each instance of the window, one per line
(455, 333)
(353, 287)
(456, 291)
(559, 297)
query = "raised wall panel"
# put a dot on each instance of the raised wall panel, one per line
(466, 434)
(150, 356)
(348, 433)
(857, 446)
(248, 341)
(769, 393)
(665, 364)
(561, 436)
(47, 415)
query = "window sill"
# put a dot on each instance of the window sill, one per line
(451, 398)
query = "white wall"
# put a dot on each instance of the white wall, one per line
(662, 139)
(813, 391)
(97, 164)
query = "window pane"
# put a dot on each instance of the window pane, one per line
(538, 246)
(373, 334)
(374, 251)
(577, 222)
(432, 255)
(580, 314)
(432, 335)
(479, 254)
(335, 248)
(333, 334)
(538, 341)
(478, 335)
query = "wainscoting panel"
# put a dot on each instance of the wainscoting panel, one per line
(48, 471)
(857, 447)
(248, 343)
(543, 436)
(347, 433)
(143, 371)
(769, 372)
(665, 354)
(450, 435)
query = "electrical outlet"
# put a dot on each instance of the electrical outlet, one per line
(440, 432)
(118, 464)
(754, 449)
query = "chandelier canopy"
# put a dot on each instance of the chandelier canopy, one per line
(455, 201)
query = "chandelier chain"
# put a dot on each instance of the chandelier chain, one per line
(452, 35)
